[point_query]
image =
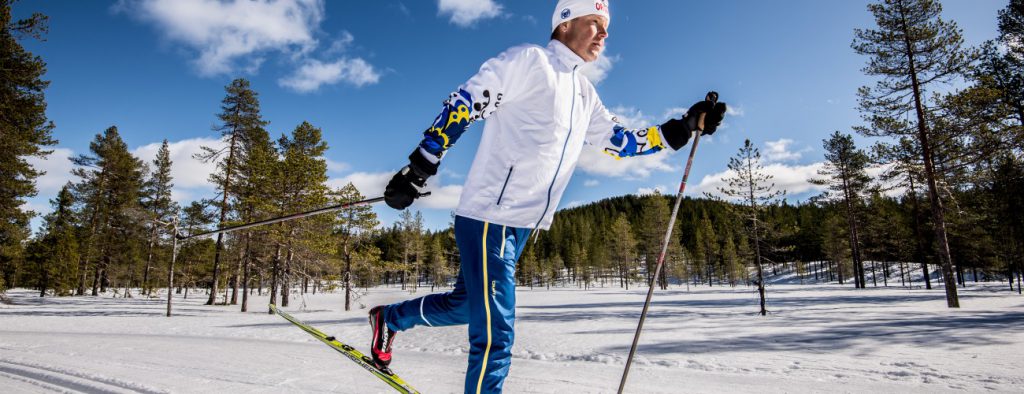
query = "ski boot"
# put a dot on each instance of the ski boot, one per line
(380, 346)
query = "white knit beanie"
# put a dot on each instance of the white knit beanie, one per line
(567, 10)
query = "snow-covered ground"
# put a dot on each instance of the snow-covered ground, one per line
(817, 338)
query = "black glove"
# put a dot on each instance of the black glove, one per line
(677, 132)
(403, 188)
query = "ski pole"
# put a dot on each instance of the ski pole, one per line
(664, 249)
(293, 216)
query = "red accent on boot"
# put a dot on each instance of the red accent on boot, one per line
(383, 337)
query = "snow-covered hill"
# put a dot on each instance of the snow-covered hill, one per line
(817, 338)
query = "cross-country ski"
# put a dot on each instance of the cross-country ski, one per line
(351, 353)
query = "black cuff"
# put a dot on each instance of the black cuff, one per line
(675, 133)
(422, 167)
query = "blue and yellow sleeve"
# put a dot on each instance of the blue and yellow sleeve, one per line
(633, 142)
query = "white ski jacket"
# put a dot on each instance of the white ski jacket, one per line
(540, 113)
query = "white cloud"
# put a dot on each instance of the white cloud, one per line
(631, 117)
(675, 113)
(734, 111)
(597, 70)
(574, 203)
(594, 161)
(778, 151)
(644, 191)
(466, 13)
(447, 172)
(891, 188)
(341, 44)
(591, 183)
(314, 73)
(336, 166)
(58, 168)
(40, 210)
(227, 33)
(791, 178)
(442, 197)
(368, 183)
(189, 175)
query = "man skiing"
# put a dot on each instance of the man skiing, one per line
(540, 112)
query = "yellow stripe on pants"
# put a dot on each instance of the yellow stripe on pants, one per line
(487, 309)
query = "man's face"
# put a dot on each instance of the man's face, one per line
(585, 36)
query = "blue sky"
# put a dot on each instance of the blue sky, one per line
(372, 76)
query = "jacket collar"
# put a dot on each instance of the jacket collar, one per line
(565, 55)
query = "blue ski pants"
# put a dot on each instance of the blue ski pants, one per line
(484, 297)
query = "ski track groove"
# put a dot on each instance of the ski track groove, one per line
(68, 381)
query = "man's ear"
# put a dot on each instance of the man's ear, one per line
(560, 31)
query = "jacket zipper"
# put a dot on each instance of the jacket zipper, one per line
(572, 110)
(507, 177)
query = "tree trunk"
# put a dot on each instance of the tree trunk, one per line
(236, 276)
(286, 284)
(273, 277)
(903, 278)
(874, 276)
(245, 273)
(149, 261)
(223, 216)
(918, 237)
(83, 272)
(44, 278)
(97, 273)
(347, 276)
(216, 259)
(938, 213)
(851, 219)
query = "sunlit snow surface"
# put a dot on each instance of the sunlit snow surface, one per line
(817, 338)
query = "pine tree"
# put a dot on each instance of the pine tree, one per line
(750, 184)
(654, 215)
(240, 117)
(110, 188)
(157, 201)
(744, 252)
(58, 247)
(677, 259)
(301, 187)
(707, 249)
(905, 171)
(912, 50)
(1001, 69)
(24, 131)
(195, 219)
(622, 249)
(354, 229)
(411, 243)
(836, 246)
(730, 263)
(1002, 65)
(255, 200)
(846, 180)
(436, 263)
